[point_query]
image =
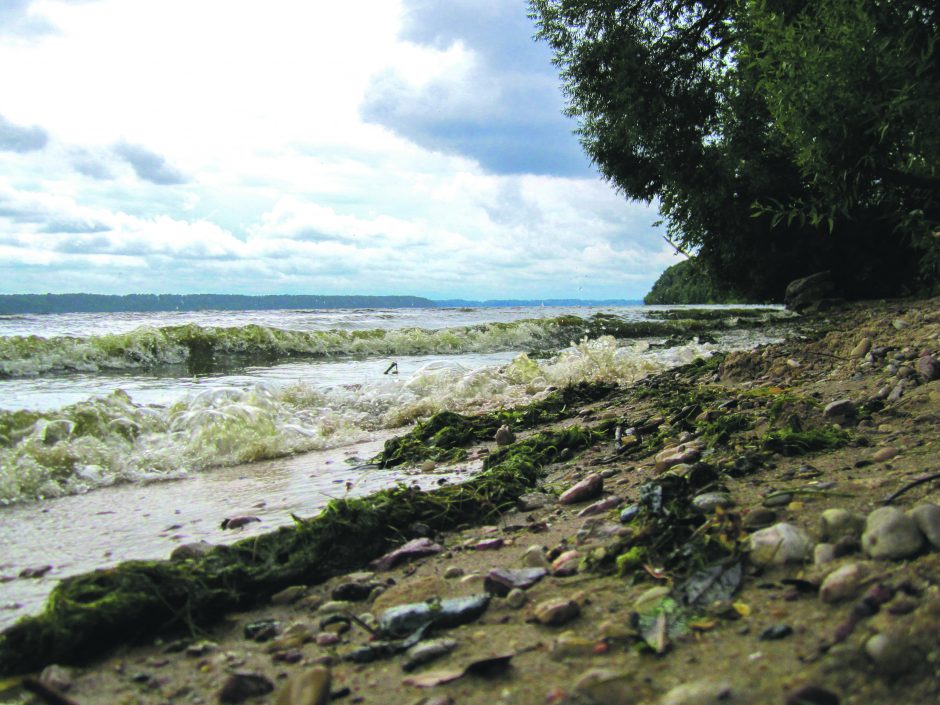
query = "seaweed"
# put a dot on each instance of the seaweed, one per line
(444, 436)
(790, 442)
(90, 613)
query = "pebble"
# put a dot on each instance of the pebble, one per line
(890, 654)
(262, 630)
(453, 571)
(189, 551)
(556, 611)
(535, 500)
(310, 687)
(327, 639)
(58, 677)
(891, 535)
(416, 548)
(427, 651)
(836, 523)
(428, 466)
(778, 500)
(534, 557)
(776, 631)
(779, 544)
(844, 583)
(353, 591)
(499, 581)
(700, 692)
(289, 595)
(606, 687)
(504, 436)
(566, 563)
(242, 685)
(759, 518)
(629, 513)
(335, 607)
(927, 518)
(928, 368)
(201, 648)
(601, 506)
(570, 645)
(884, 454)
(824, 553)
(708, 502)
(679, 455)
(810, 694)
(587, 489)
(843, 408)
(516, 598)
(489, 545)
(861, 350)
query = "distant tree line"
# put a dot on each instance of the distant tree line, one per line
(689, 283)
(778, 137)
(99, 303)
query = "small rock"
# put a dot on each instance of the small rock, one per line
(500, 581)
(606, 687)
(289, 595)
(569, 645)
(566, 563)
(35, 572)
(201, 648)
(327, 639)
(824, 553)
(238, 522)
(556, 611)
(243, 685)
(708, 502)
(843, 408)
(679, 455)
(453, 571)
(426, 651)
(58, 677)
(534, 557)
(489, 545)
(190, 551)
(629, 513)
(601, 506)
(861, 350)
(890, 654)
(759, 518)
(335, 607)
(779, 544)
(807, 292)
(262, 630)
(776, 631)
(516, 598)
(416, 548)
(884, 454)
(891, 535)
(701, 692)
(504, 436)
(927, 518)
(844, 582)
(928, 368)
(780, 499)
(535, 500)
(837, 523)
(897, 391)
(353, 591)
(589, 488)
(811, 695)
(310, 687)
(428, 466)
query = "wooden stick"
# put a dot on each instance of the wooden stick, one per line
(911, 485)
(46, 693)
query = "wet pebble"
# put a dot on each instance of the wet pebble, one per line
(607, 687)
(779, 499)
(823, 553)
(500, 581)
(58, 677)
(566, 563)
(289, 595)
(262, 630)
(327, 639)
(587, 489)
(679, 455)
(601, 506)
(516, 598)
(776, 631)
(891, 654)
(504, 436)
(708, 502)
(242, 685)
(353, 591)
(884, 454)
(201, 648)
(310, 687)
(844, 582)
(891, 535)
(759, 518)
(629, 513)
(489, 544)
(556, 611)
(779, 544)
(453, 571)
(427, 651)
(416, 548)
(843, 408)
(534, 557)
(535, 500)
(836, 523)
(189, 551)
(700, 692)
(927, 518)
(928, 367)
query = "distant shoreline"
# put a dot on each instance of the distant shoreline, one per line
(137, 303)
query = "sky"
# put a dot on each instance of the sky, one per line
(413, 147)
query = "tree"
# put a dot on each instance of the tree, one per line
(674, 106)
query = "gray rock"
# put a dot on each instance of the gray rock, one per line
(289, 595)
(499, 581)
(534, 557)
(802, 294)
(58, 677)
(779, 544)
(190, 551)
(844, 583)
(427, 651)
(607, 687)
(310, 687)
(556, 611)
(927, 518)
(860, 350)
(516, 598)
(453, 571)
(891, 654)
(824, 553)
(843, 408)
(601, 506)
(535, 500)
(759, 518)
(837, 523)
(928, 368)
(416, 548)
(891, 535)
(710, 501)
(504, 436)
(700, 692)
(242, 685)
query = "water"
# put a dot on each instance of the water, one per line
(124, 435)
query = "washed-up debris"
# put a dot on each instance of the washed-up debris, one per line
(488, 666)
(660, 624)
(238, 522)
(500, 581)
(416, 548)
(402, 620)
(716, 583)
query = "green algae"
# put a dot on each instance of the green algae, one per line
(90, 613)
(790, 442)
(445, 436)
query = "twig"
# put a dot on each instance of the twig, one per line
(911, 485)
(807, 491)
(46, 693)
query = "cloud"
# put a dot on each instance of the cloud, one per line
(91, 165)
(502, 106)
(15, 138)
(17, 20)
(148, 165)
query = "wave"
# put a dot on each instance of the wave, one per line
(112, 439)
(203, 349)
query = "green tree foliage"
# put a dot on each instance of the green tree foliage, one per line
(689, 282)
(674, 105)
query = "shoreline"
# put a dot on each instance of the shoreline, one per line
(743, 423)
